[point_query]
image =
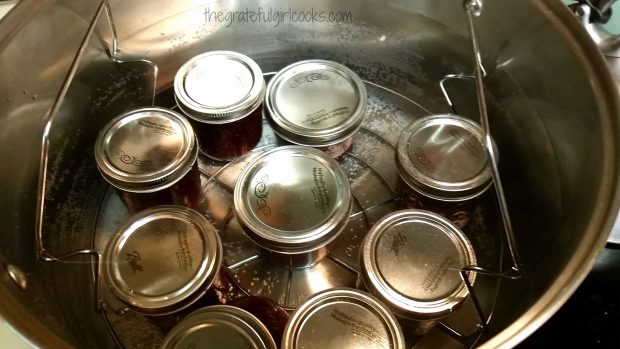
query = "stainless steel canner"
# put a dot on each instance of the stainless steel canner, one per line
(524, 70)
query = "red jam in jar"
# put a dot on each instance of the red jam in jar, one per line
(411, 261)
(267, 311)
(222, 93)
(219, 326)
(443, 166)
(317, 103)
(150, 156)
(162, 260)
(342, 318)
(442, 157)
(293, 201)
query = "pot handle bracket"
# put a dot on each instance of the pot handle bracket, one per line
(94, 32)
(473, 9)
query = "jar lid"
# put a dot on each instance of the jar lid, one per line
(293, 199)
(162, 259)
(316, 102)
(219, 326)
(443, 157)
(411, 260)
(342, 318)
(219, 87)
(145, 150)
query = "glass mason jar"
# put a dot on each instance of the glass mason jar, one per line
(225, 291)
(222, 93)
(219, 326)
(317, 103)
(267, 311)
(162, 260)
(411, 261)
(342, 318)
(150, 156)
(442, 157)
(292, 201)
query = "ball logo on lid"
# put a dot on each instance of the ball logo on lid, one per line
(314, 76)
(133, 258)
(398, 241)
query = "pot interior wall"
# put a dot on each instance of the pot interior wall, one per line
(554, 142)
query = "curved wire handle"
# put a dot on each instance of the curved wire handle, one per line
(473, 9)
(104, 7)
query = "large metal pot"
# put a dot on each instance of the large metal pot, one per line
(553, 113)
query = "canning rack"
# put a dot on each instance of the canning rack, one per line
(472, 9)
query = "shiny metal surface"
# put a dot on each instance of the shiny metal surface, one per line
(219, 326)
(442, 157)
(411, 260)
(609, 44)
(316, 102)
(162, 259)
(17, 276)
(293, 199)
(219, 87)
(342, 318)
(146, 150)
(557, 136)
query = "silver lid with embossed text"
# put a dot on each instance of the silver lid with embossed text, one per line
(411, 260)
(342, 318)
(219, 87)
(146, 149)
(162, 259)
(293, 199)
(316, 102)
(443, 157)
(219, 326)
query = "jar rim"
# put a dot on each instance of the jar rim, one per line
(235, 107)
(163, 140)
(438, 288)
(242, 322)
(335, 305)
(306, 181)
(429, 180)
(290, 126)
(167, 240)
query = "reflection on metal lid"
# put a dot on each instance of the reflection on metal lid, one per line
(442, 156)
(342, 318)
(293, 199)
(219, 86)
(162, 259)
(146, 149)
(316, 102)
(219, 326)
(411, 260)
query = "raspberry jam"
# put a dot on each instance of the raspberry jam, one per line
(317, 103)
(411, 260)
(443, 158)
(222, 93)
(150, 156)
(162, 260)
(293, 201)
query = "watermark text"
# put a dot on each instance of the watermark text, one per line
(275, 17)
